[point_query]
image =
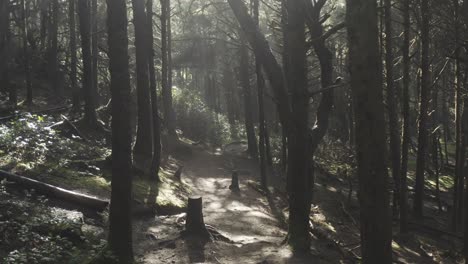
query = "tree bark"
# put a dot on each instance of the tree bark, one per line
(4, 44)
(394, 126)
(166, 71)
(94, 49)
(84, 14)
(247, 94)
(73, 57)
(325, 58)
(154, 96)
(298, 136)
(423, 112)
(120, 223)
(366, 84)
(262, 131)
(26, 59)
(143, 150)
(406, 138)
(195, 225)
(264, 53)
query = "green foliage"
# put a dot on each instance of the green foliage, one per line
(197, 120)
(33, 232)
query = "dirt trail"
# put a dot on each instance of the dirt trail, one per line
(245, 218)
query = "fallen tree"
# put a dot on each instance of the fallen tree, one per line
(49, 190)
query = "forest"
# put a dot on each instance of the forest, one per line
(233, 131)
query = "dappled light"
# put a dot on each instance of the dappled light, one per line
(233, 131)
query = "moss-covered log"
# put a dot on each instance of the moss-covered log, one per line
(52, 191)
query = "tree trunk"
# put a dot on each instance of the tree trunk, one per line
(53, 48)
(73, 57)
(195, 225)
(264, 53)
(154, 96)
(325, 58)
(84, 14)
(406, 138)
(4, 44)
(120, 222)
(366, 84)
(298, 150)
(423, 112)
(245, 83)
(262, 131)
(143, 150)
(166, 71)
(392, 108)
(26, 59)
(94, 47)
(465, 240)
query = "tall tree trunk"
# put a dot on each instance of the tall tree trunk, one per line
(366, 85)
(53, 49)
(4, 51)
(166, 72)
(247, 94)
(84, 14)
(406, 138)
(465, 240)
(392, 107)
(143, 150)
(26, 59)
(435, 144)
(325, 57)
(94, 47)
(262, 133)
(154, 95)
(120, 221)
(73, 57)
(298, 136)
(44, 22)
(423, 111)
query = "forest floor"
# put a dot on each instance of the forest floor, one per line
(252, 222)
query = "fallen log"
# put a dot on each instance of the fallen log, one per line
(49, 190)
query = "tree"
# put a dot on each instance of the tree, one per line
(366, 84)
(247, 94)
(94, 47)
(4, 50)
(26, 59)
(394, 131)
(166, 72)
(154, 96)
(262, 133)
(120, 223)
(143, 150)
(73, 57)
(298, 149)
(84, 14)
(4, 24)
(293, 116)
(423, 111)
(53, 47)
(406, 138)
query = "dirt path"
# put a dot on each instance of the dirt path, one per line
(245, 218)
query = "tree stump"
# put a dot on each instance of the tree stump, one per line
(235, 182)
(195, 225)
